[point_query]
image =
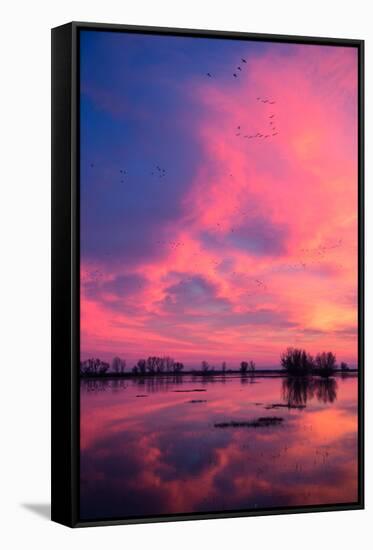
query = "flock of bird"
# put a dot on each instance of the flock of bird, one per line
(235, 74)
(321, 250)
(310, 255)
(171, 244)
(271, 131)
(159, 172)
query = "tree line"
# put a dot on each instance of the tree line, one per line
(154, 365)
(294, 361)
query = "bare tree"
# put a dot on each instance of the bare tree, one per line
(118, 365)
(205, 367)
(344, 367)
(244, 366)
(178, 367)
(325, 363)
(93, 367)
(103, 367)
(297, 361)
(141, 366)
(168, 363)
(151, 364)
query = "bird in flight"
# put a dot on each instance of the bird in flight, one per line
(234, 74)
(209, 75)
(243, 60)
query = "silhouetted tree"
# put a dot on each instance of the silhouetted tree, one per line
(103, 367)
(168, 364)
(151, 364)
(93, 367)
(252, 367)
(205, 367)
(325, 363)
(244, 367)
(160, 365)
(224, 366)
(178, 367)
(141, 366)
(344, 367)
(297, 361)
(118, 365)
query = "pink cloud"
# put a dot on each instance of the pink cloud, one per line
(269, 223)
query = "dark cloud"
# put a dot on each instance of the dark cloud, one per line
(194, 294)
(259, 236)
(120, 286)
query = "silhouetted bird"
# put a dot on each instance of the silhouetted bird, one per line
(234, 74)
(243, 60)
(209, 75)
(239, 68)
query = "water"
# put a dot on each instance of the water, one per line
(152, 447)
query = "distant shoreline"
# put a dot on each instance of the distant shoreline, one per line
(258, 373)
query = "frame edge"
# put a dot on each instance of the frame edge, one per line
(63, 417)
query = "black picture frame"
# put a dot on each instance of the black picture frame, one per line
(66, 264)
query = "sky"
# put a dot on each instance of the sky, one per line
(218, 183)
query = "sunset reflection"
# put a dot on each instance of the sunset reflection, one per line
(161, 453)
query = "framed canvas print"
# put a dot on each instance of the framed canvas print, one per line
(207, 274)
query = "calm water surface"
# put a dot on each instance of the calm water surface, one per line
(157, 446)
